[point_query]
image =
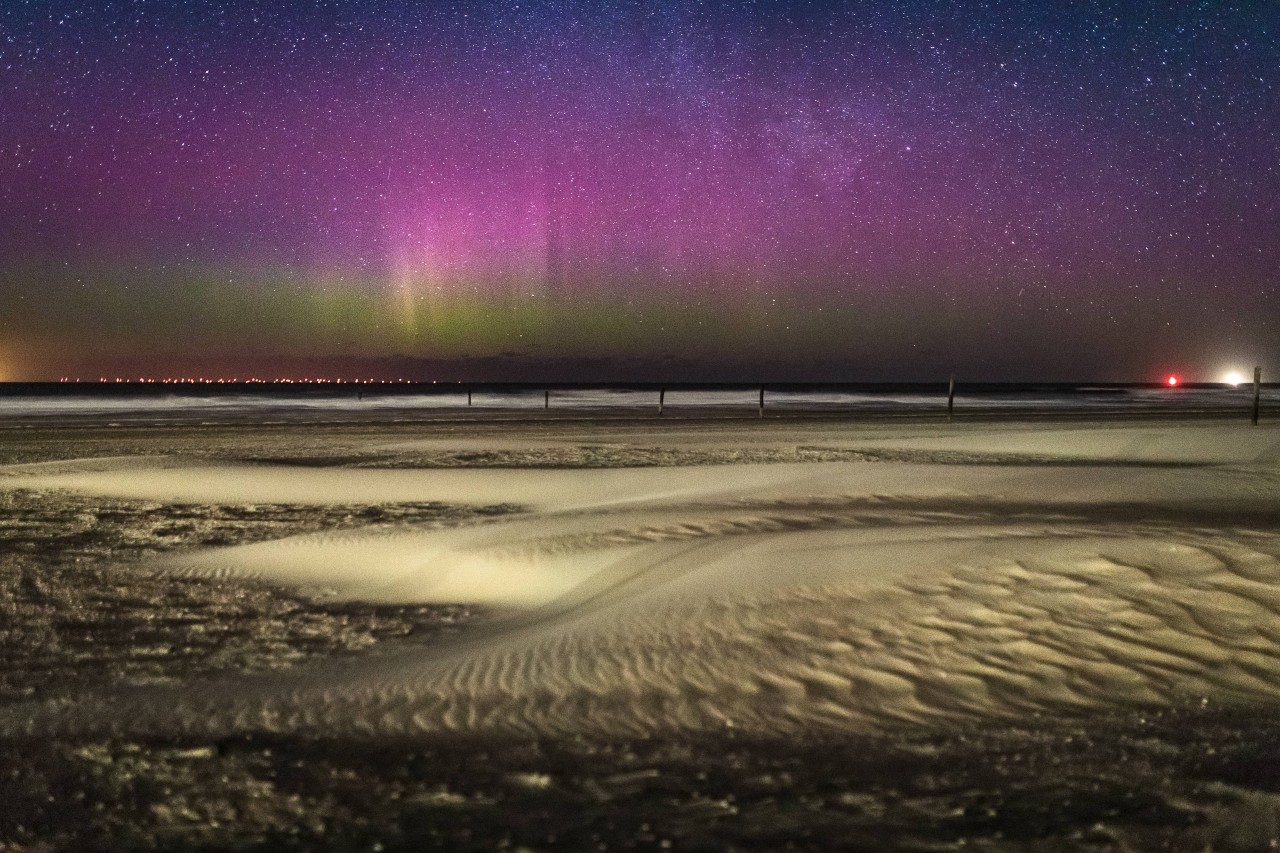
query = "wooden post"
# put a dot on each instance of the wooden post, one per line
(468, 396)
(662, 398)
(1257, 393)
(546, 399)
(951, 398)
(762, 401)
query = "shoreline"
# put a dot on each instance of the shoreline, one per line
(717, 416)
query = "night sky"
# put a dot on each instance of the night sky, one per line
(593, 190)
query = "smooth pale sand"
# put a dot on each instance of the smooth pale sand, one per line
(858, 596)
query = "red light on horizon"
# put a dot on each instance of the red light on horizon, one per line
(1173, 381)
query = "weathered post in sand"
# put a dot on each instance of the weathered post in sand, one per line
(546, 399)
(468, 396)
(762, 401)
(662, 399)
(951, 398)
(1257, 393)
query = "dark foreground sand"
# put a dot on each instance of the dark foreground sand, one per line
(803, 636)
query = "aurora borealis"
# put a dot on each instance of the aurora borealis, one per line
(593, 190)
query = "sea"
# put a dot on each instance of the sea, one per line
(156, 403)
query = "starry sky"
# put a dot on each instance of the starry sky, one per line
(592, 189)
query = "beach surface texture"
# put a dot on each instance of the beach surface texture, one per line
(912, 582)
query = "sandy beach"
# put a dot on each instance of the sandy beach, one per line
(703, 635)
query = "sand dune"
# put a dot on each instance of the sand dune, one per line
(176, 481)
(771, 598)
(1176, 443)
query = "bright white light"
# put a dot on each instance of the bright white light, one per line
(1233, 378)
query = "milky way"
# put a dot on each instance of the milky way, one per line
(608, 190)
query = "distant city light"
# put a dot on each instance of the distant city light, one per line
(216, 380)
(1233, 378)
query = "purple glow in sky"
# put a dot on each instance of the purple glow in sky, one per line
(859, 190)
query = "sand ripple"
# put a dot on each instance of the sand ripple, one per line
(776, 601)
(797, 629)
